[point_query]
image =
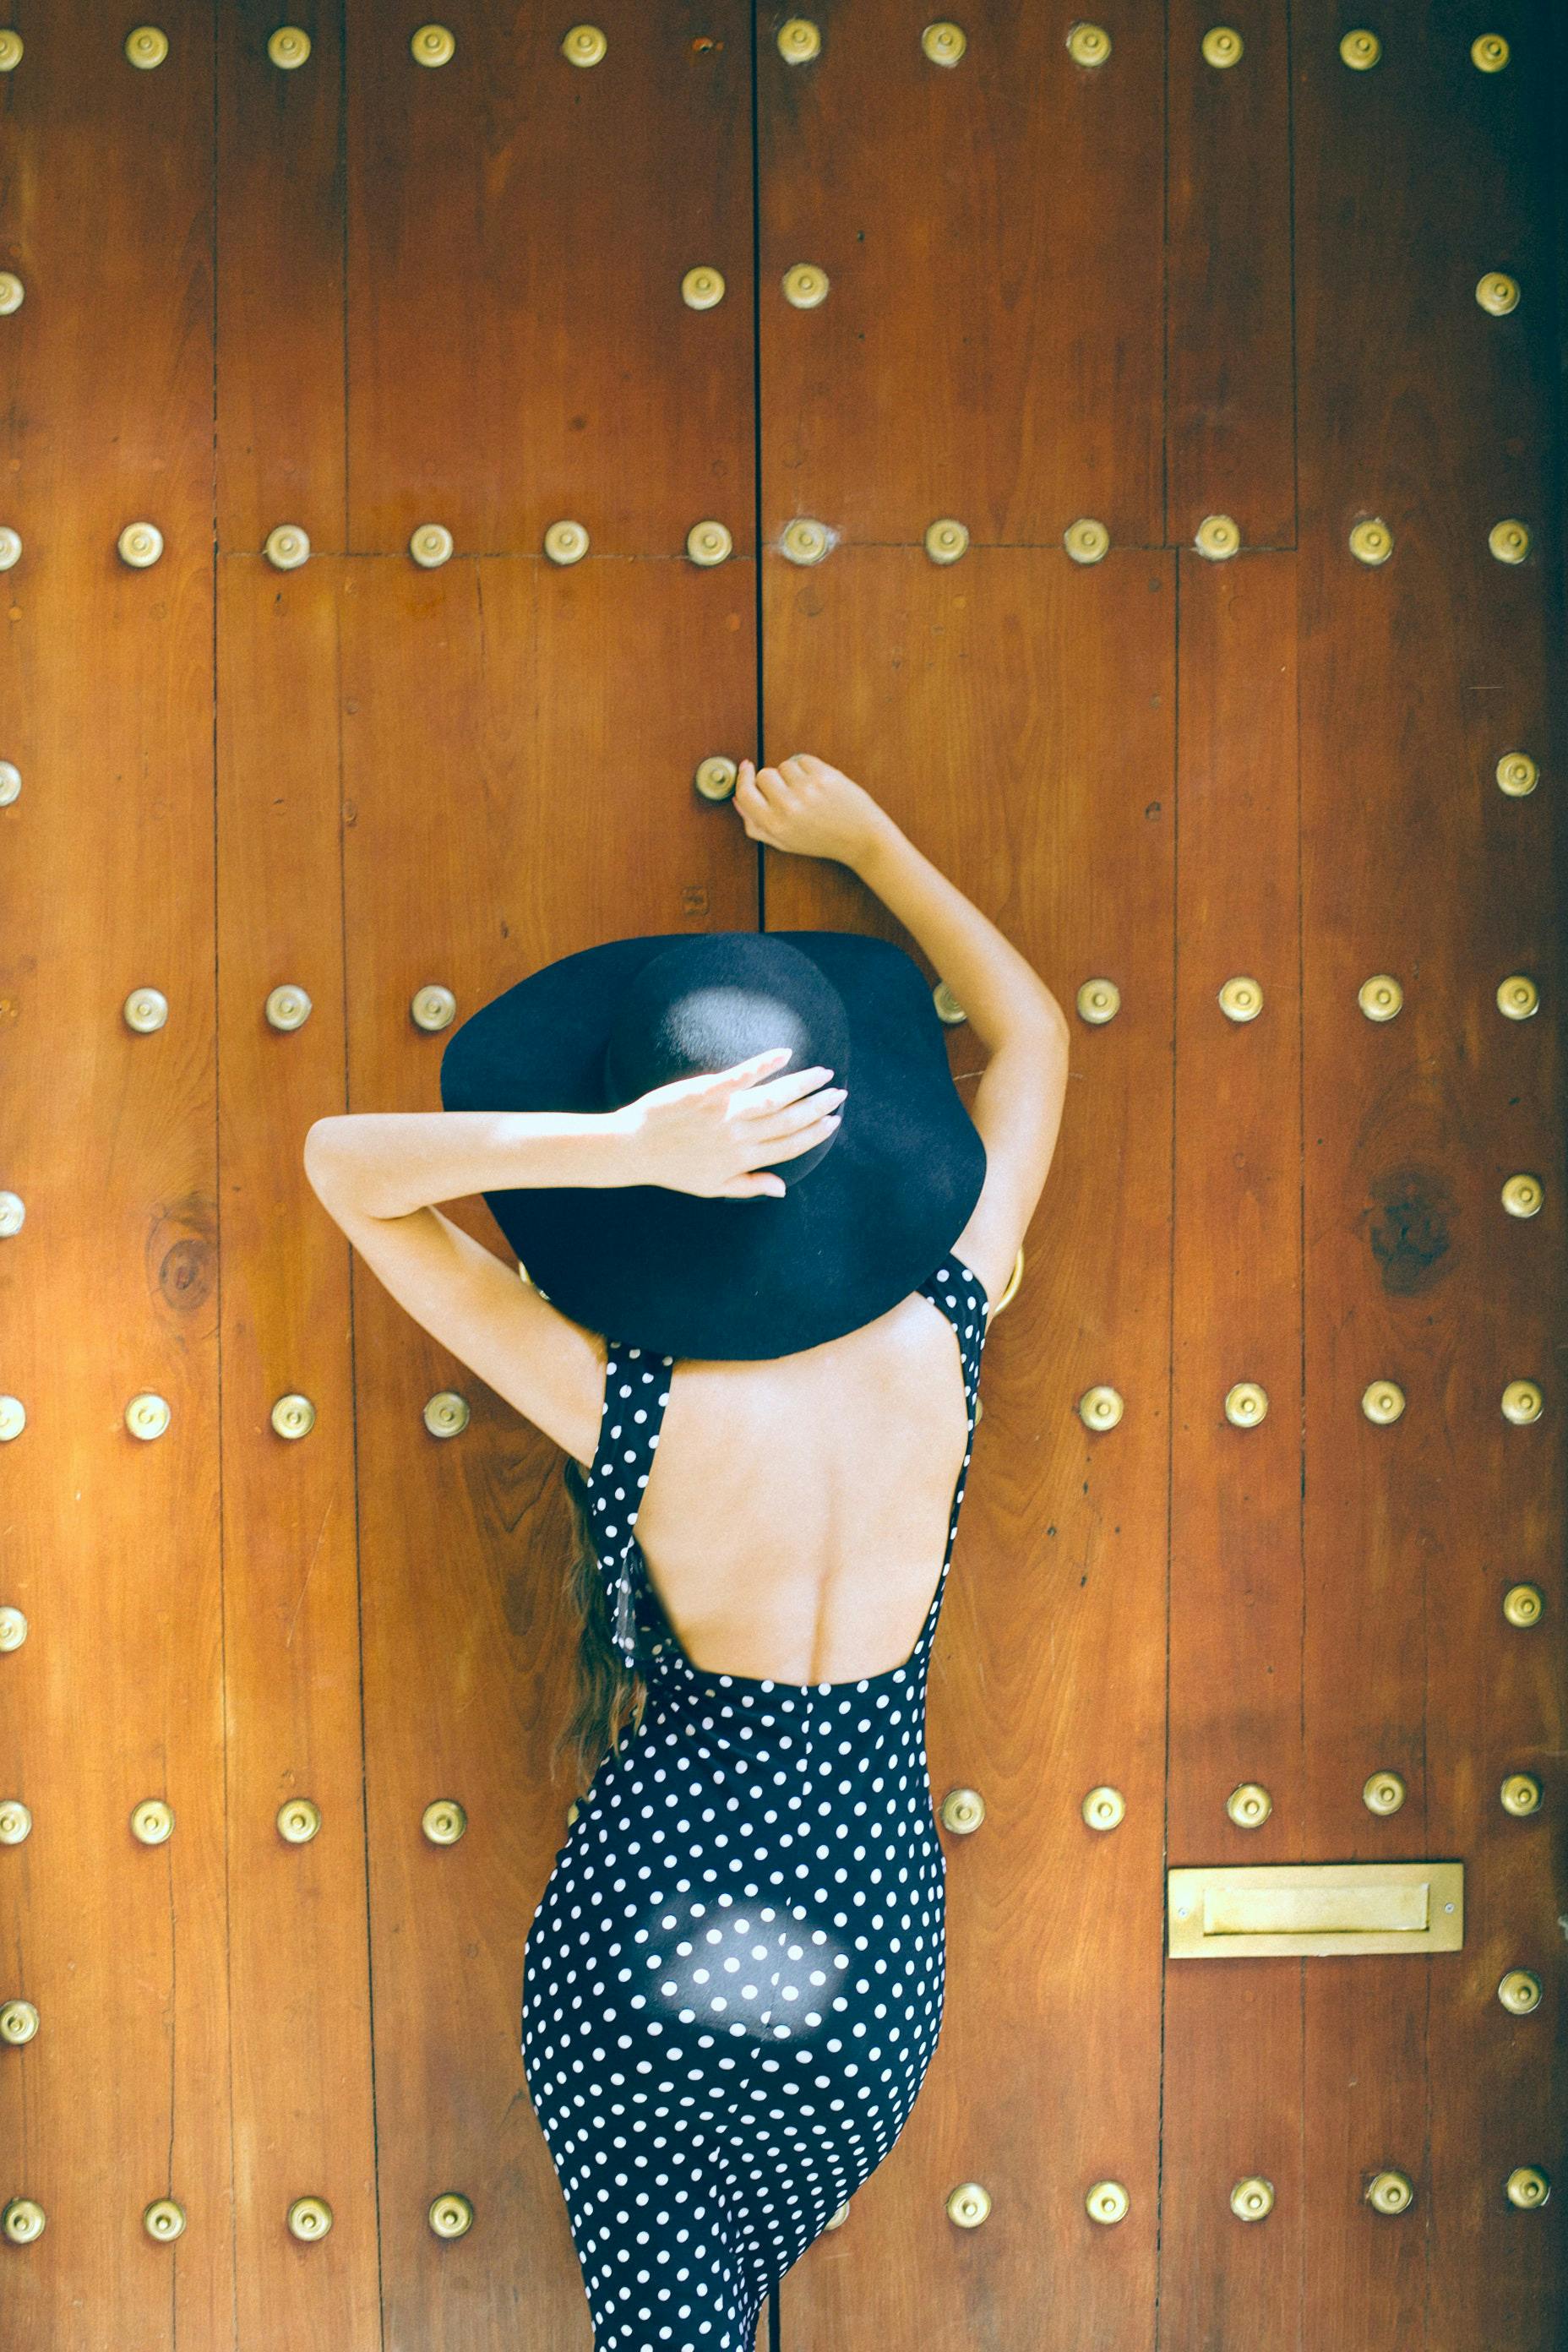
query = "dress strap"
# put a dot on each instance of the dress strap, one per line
(961, 1295)
(636, 1390)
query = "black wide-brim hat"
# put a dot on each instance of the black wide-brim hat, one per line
(866, 1215)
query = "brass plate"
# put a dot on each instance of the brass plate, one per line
(1240, 1910)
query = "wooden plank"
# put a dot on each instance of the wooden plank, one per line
(109, 1291)
(1416, 675)
(1231, 2100)
(281, 454)
(299, 1960)
(1229, 356)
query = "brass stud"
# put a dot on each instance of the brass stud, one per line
(18, 2024)
(948, 1009)
(1222, 46)
(1519, 1991)
(12, 1214)
(963, 1810)
(1520, 1794)
(145, 1009)
(1383, 1401)
(1380, 997)
(1488, 53)
(288, 1006)
(1251, 2199)
(450, 2215)
(433, 1007)
(840, 2215)
(21, 2220)
(1217, 538)
(1523, 1604)
(806, 541)
(146, 46)
(310, 2218)
(703, 287)
(1246, 1404)
(804, 285)
(566, 542)
(10, 50)
(1518, 996)
(584, 45)
(10, 546)
(717, 777)
(1372, 541)
(799, 40)
(1249, 1805)
(1390, 2192)
(968, 2205)
(289, 45)
(13, 1627)
(1527, 2187)
(299, 1820)
(13, 1417)
(1104, 1808)
(1098, 1001)
(430, 544)
(1525, 1195)
(153, 1822)
(709, 543)
(433, 44)
(148, 1415)
(1361, 50)
(1385, 1792)
(1088, 45)
(446, 1413)
(1100, 1407)
(444, 1821)
(946, 539)
(1008, 1289)
(1241, 998)
(10, 782)
(292, 1416)
(943, 43)
(12, 292)
(16, 1822)
(1522, 1403)
(1107, 2203)
(1509, 540)
(1498, 293)
(1515, 775)
(287, 547)
(1086, 541)
(140, 544)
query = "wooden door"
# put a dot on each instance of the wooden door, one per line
(1133, 446)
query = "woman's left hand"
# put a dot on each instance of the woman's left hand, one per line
(707, 1134)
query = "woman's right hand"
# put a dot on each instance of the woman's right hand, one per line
(809, 809)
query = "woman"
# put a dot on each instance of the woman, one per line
(733, 1983)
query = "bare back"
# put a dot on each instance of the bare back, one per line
(795, 1521)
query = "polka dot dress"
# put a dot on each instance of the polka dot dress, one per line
(733, 1984)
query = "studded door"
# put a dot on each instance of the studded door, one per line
(434, 454)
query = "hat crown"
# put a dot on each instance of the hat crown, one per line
(717, 999)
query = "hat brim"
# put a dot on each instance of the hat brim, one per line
(721, 1278)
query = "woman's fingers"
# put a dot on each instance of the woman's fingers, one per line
(789, 1144)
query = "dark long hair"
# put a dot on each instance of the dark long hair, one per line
(607, 1697)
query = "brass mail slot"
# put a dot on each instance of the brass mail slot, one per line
(1238, 1910)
